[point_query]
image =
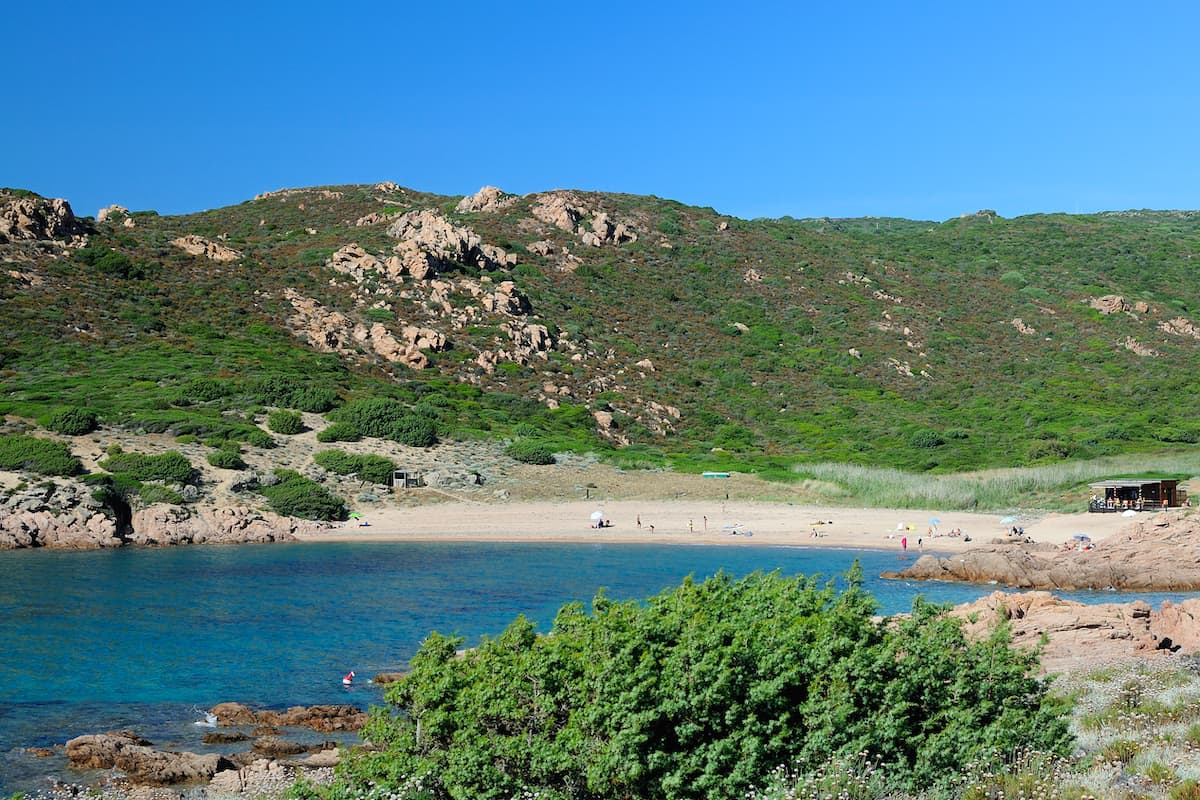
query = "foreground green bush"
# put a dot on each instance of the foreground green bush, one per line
(72, 422)
(297, 496)
(169, 467)
(32, 454)
(700, 693)
(530, 452)
(375, 469)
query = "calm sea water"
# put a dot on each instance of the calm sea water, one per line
(94, 641)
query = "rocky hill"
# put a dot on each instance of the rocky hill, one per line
(593, 321)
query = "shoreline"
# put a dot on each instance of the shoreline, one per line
(708, 522)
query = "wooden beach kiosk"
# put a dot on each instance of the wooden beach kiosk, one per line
(1136, 494)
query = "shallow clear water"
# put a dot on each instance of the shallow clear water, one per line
(141, 638)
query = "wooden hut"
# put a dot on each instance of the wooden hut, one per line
(1137, 494)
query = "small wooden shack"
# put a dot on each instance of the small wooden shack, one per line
(405, 479)
(1137, 494)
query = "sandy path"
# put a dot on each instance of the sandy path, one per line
(706, 522)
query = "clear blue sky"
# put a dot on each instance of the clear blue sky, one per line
(922, 110)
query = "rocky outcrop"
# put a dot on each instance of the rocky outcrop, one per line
(114, 212)
(63, 515)
(1109, 304)
(374, 218)
(333, 332)
(1020, 325)
(565, 211)
(1137, 348)
(430, 244)
(356, 262)
(1158, 554)
(169, 525)
(140, 761)
(489, 198)
(1081, 633)
(58, 514)
(322, 718)
(213, 251)
(1180, 326)
(37, 219)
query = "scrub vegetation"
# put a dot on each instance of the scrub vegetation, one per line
(786, 345)
(703, 692)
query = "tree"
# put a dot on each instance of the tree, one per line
(700, 692)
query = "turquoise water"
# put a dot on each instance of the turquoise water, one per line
(93, 641)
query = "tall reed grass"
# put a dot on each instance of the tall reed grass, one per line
(1062, 486)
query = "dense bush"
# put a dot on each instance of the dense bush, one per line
(699, 693)
(279, 391)
(338, 432)
(108, 261)
(286, 422)
(226, 459)
(375, 469)
(32, 454)
(297, 496)
(414, 432)
(169, 467)
(383, 418)
(72, 421)
(530, 452)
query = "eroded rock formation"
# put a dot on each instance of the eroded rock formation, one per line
(33, 218)
(140, 761)
(1161, 553)
(489, 198)
(199, 246)
(1081, 633)
(430, 244)
(565, 211)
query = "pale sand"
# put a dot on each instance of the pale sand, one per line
(683, 522)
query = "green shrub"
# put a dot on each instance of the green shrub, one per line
(286, 422)
(375, 469)
(374, 416)
(701, 692)
(338, 432)
(258, 438)
(23, 453)
(151, 493)
(414, 431)
(202, 390)
(926, 439)
(226, 459)
(108, 261)
(72, 422)
(297, 496)
(169, 467)
(530, 452)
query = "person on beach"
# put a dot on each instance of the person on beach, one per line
(904, 543)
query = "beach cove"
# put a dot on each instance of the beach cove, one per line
(147, 638)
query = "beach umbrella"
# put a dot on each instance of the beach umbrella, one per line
(935, 521)
(597, 516)
(1083, 537)
(355, 515)
(1008, 520)
(1129, 512)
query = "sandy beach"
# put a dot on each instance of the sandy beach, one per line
(734, 523)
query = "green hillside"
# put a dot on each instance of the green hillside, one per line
(705, 341)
